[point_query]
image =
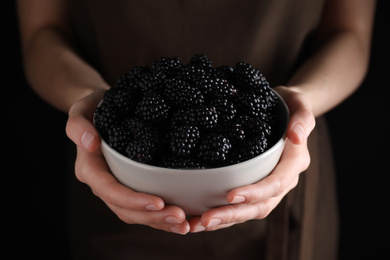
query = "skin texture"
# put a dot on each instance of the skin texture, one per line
(61, 77)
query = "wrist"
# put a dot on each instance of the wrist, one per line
(88, 91)
(313, 96)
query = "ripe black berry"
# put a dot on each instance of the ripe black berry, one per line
(152, 107)
(106, 116)
(202, 116)
(183, 94)
(119, 137)
(124, 99)
(215, 87)
(248, 149)
(213, 149)
(248, 103)
(167, 66)
(246, 77)
(201, 61)
(142, 150)
(234, 132)
(184, 139)
(225, 110)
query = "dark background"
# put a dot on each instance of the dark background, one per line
(34, 157)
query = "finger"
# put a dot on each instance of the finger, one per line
(171, 218)
(302, 120)
(79, 127)
(181, 229)
(197, 226)
(228, 215)
(294, 160)
(225, 216)
(92, 169)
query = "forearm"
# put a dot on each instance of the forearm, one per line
(340, 60)
(56, 72)
(333, 72)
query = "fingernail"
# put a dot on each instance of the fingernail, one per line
(199, 228)
(172, 220)
(299, 131)
(151, 207)
(214, 222)
(175, 230)
(238, 199)
(87, 139)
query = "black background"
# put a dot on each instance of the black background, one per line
(34, 157)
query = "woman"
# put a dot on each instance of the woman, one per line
(315, 54)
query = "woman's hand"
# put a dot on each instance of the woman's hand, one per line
(91, 168)
(256, 201)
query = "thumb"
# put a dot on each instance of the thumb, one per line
(79, 127)
(302, 120)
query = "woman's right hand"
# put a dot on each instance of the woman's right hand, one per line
(91, 168)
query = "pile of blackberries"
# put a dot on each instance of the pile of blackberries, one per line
(189, 116)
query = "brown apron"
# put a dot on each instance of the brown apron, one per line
(116, 35)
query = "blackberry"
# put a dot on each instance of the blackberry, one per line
(261, 128)
(249, 149)
(234, 132)
(123, 81)
(225, 110)
(133, 78)
(202, 116)
(183, 94)
(201, 61)
(105, 117)
(191, 73)
(152, 107)
(225, 72)
(142, 150)
(268, 97)
(215, 87)
(141, 130)
(141, 79)
(183, 140)
(152, 82)
(167, 66)
(213, 149)
(249, 103)
(254, 125)
(246, 77)
(145, 144)
(119, 137)
(124, 99)
(222, 88)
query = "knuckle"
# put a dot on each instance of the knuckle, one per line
(264, 210)
(295, 182)
(79, 171)
(305, 111)
(309, 119)
(109, 196)
(305, 160)
(279, 186)
(71, 125)
(124, 217)
(230, 217)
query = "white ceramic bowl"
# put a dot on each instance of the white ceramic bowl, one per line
(196, 191)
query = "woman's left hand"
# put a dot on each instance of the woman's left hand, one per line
(256, 201)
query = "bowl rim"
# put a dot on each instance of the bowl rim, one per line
(126, 159)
